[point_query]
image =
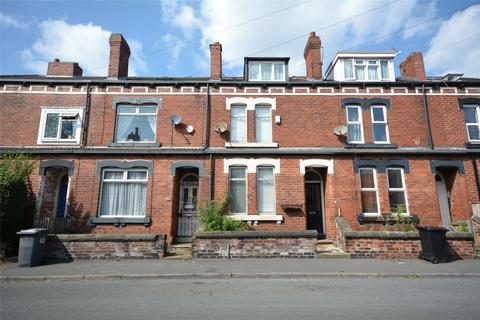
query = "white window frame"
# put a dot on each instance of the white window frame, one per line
(345, 70)
(269, 107)
(360, 122)
(380, 69)
(404, 189)
(124, 180)
(43, 122)
(274, 190)
(366, 63)
(385, 122)
(477, 124)
(245, 133)
(136, 113)
(374, 172)
(272, 73)
(246, 188)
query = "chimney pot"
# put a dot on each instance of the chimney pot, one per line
(119, 55)
(313, 59)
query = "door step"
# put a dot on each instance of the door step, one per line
(180, 251)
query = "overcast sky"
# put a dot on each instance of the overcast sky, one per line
(171, 38)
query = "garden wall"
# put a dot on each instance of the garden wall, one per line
(67, 247)
(397, 245)
(255, 244)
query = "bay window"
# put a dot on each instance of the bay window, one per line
(238, 190)
(265, 190)
(136, 123)
(123, 193)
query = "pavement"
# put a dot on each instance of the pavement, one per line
(237, 268)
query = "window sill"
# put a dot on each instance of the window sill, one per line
(250, 145)
(59, 142)
(254, 218)
(472, 145)
(134, 144)
(370, 146)
(385, 219)
(120, 221)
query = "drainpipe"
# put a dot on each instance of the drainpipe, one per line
(206, 122)
(87, 117)
(212, 177)
(475, 173)
(427, 117)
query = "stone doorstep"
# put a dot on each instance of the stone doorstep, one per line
(181, 251)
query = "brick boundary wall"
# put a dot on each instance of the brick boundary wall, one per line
(255, 244)
(67, 247)
(476, 232)
(397, 245)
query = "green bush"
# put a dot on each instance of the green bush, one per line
(214, 216)
(14, 172)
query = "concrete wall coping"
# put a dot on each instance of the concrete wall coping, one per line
(107, 237)
(476, 219)
(256, 234)
(415, 235)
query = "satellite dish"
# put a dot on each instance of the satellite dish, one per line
(220, 127)
(190, 129)
(175, 119)
(340, 130)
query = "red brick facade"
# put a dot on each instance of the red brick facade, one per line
(307, 112)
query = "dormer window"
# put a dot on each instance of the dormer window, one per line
(362, 66)
(266, 69)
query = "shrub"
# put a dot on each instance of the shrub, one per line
(214, 216)
(14, 172)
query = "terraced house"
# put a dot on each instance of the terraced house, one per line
(133, 155)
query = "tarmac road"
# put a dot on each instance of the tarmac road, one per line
(244, 298)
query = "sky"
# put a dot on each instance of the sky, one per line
(171, 38)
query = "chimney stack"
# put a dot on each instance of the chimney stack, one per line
(119, 55)
(413, 66)
(215, 61)
(313, 60)
(64, 69)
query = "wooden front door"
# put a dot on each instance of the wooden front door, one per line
(314, 202)
(188, 220)
(443, 200)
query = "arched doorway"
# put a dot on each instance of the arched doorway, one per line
(314, 201)
(188, 220)
(443, 199)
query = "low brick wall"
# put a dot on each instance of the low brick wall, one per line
(105, 246)
(255, 244)
(476, 232)
(397, 245)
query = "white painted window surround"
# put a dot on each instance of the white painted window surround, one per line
(251, 164)
(316, 163)
(63, 115)
(251, 102)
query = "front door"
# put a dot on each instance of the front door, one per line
(314, 201)
(443, 200)
(188, 221)
(62, 197)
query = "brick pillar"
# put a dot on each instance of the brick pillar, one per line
(313, 60)
(216, 61)
(413, 66)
